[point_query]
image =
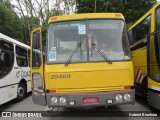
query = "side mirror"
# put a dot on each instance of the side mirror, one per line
(130, 35)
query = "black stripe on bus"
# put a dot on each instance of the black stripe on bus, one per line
(9, 85)
(12, 84)
(154, 91)
(139, 46)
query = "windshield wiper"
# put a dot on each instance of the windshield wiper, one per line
(102, 53)
(73, 52)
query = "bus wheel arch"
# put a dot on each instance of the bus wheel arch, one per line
(21, 90)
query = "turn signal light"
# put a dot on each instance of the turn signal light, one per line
(118, 15)
(127, 87)
(52, 91)
(53, 18)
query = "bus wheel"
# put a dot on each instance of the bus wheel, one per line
(21, 92)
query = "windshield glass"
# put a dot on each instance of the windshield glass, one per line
(108, 35)
(63, 37)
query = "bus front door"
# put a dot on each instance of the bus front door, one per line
(36, 62)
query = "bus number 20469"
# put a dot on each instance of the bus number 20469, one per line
(61, 76)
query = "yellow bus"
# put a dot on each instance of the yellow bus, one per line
(144, 44)
(87, 62)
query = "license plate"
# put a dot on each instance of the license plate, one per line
(91, 100)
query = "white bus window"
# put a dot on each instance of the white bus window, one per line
(6, 57)
(21, 57)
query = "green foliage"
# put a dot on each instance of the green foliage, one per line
(131, 9)
(31, 23)
(10, 24)
(54, 12)
(44, 32)
(14, 26)
(134, 9)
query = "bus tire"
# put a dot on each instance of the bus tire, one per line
(21, 92)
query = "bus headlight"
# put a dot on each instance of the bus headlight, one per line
(119, 98)
(37, 81)
(62, 100)
(54, 100)
(127, 97)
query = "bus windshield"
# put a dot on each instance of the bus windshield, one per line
(108, 35)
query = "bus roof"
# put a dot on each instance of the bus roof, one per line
(85, 16)
(144, 16)
(2, 36)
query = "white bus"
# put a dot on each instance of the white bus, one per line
(14, 69)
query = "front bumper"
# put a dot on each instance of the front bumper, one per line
(102, 96)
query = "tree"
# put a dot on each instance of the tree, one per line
(131, 9)
(35, 13)
(10, 23)
(19, 19)
(134, 9)
(69, 6)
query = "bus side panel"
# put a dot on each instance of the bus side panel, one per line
(140, 63)
(28, 86)
(140, 68)
(14, 74)
(8, 93)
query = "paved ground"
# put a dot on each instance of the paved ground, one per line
(28, 105)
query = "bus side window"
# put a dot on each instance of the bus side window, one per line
(21, 56)
(142, 29)
(36, 56)
(130, 36)
(157, 40)
(158, 19)
(6, 57)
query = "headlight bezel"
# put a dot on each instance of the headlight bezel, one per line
(119, 97)
(62, 99)
(54, 99)
(126, 95)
